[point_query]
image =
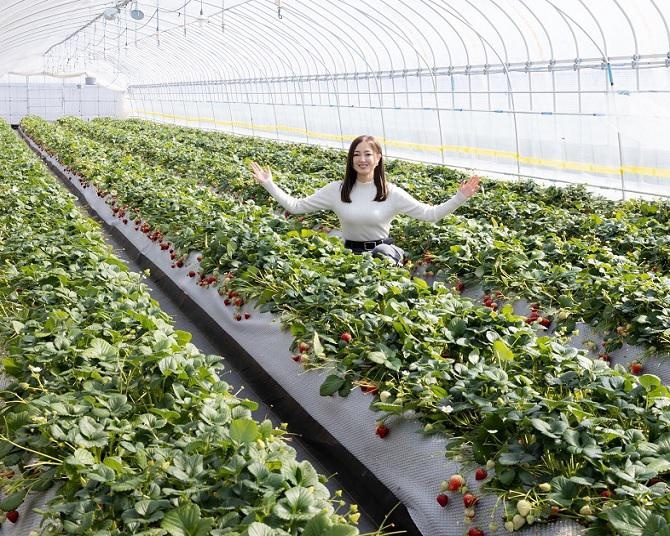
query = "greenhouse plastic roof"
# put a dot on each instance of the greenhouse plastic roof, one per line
(283, 39)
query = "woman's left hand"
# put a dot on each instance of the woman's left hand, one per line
(469, 188)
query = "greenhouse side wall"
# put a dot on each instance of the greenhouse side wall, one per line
(51, 100)
(561, 127)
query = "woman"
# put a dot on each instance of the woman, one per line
(364, 202)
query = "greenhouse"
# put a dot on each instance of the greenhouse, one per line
(335, 268)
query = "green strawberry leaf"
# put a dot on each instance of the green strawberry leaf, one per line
(186, 521)
(331, 385)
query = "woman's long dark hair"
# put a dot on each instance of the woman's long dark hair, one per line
(350, 174)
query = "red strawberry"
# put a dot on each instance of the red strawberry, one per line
(346, 337)
(13, 516)
(191, 273)
(237, 316)
(180, 263)
(382, 430)
(606, 493)
(455, 482)
(475, 531)
(296, 358)
(636, 368)
(442, 500)
(369, 389)
(546, 322)
(481, 474)
(226, 301)
(469, 500)
(460, 287)
(247, 316)
(303, 347)
(604, 357)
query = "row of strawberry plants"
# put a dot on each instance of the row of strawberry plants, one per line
(177, 156)
(525, 206)
(112, 404)
(577, 280)
(568, 435)
(635, 227)
(571, 273)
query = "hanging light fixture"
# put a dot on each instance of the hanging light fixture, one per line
(201, 18)
(136, 13)
(110, 13)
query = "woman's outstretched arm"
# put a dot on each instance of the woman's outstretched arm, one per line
(406, 204)
(322, 199)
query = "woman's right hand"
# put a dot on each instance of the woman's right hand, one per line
(262, 176)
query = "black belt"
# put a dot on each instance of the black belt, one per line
(366, 246)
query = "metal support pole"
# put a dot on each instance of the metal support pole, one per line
(623, 191)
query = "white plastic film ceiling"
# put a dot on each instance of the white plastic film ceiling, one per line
(248, 39)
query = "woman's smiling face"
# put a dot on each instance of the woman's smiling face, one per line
(365, 161)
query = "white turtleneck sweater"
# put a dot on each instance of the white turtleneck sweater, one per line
(365, 219)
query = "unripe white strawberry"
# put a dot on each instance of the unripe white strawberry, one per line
(523, 507)
(509, 526)
(384, 396)
(585, 510)
(518, 521)
(545, 486)
(563, 314)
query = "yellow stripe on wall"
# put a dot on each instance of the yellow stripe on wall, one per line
(423, 147)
